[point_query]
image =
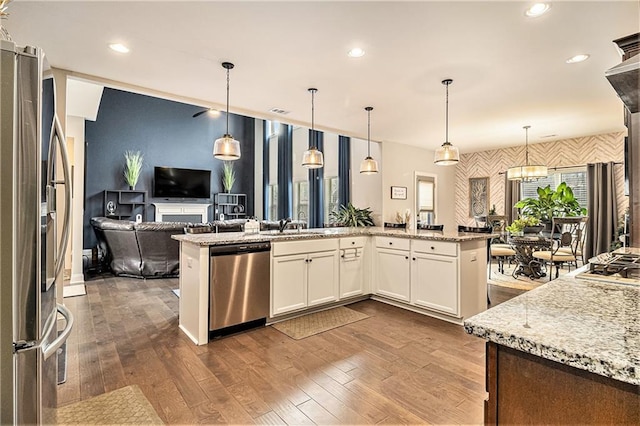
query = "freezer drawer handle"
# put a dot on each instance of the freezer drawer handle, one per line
(64, 334)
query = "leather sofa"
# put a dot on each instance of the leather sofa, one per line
(146, 250)
(142, 250)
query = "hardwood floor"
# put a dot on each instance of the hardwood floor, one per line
(394, 367)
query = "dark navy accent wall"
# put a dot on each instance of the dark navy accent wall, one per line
(167, 135)
(344, 168)
(285, 171)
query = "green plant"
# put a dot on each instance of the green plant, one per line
(352, 216)
(132, 167)
(550, 203)
(492, 211)
(519, 224)
(228, 176)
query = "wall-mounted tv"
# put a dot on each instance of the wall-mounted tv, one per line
(171, 182)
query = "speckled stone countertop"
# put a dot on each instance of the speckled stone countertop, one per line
(211, 239)
(591, 325)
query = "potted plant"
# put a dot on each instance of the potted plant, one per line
(350, 215)
(550, 203)
(228, 176)
(132, 167)
(525, 224)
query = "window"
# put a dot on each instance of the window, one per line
(576, 178)
(426, 198)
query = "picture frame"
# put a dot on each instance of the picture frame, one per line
(398, 192)
(478, 196)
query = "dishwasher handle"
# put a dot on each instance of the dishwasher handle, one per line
(239, 248)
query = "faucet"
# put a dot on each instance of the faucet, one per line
(282, 223)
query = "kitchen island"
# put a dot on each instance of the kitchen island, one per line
(566, 352)
(435, 273)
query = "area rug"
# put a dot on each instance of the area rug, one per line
(521, 282)
(318, 322)
(124, 406)
(74, 290)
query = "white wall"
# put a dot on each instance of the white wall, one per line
(75, 130)
(366, 190)
(400, 164)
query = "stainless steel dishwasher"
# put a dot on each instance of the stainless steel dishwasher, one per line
(239, 284)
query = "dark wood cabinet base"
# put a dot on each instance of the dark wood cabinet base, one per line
(526, 389)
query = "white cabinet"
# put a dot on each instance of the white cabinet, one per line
(434, 282)
(352, 266)
(322, 277)
(289, 289)
(393, 268)
(303, 273)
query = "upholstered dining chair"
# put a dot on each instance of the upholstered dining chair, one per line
(580, 235)
(565, 245)
(499, 249)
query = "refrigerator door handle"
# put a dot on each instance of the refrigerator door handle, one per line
(64, 334)
(66, 228)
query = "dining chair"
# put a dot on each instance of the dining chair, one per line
(564, 230)
(580, 236)
(429, 227)
(499, 249)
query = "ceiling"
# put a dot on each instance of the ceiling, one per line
(508, 70)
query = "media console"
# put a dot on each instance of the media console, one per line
(182, 212)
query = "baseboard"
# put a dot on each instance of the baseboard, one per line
(77, 279)
(433, 314)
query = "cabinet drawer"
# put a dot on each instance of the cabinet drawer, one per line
(352, 242)
(304, 246)
(443, 248)
(393, 243)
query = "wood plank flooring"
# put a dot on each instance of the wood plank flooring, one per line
(395, 367)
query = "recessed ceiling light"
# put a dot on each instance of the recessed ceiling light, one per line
(279, 111)
(356, 52)
(118, 47)
(577, 58)
(213, 112)
(537, 10)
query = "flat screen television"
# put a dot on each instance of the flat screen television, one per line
(171, 182)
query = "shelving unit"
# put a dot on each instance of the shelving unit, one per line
(126, 203)
(232, 206)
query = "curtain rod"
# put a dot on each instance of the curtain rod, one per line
(615, 163)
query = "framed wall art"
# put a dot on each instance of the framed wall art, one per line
(398, 192)
(478, 196)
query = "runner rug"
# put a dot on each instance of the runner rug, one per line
(124, 406)
(318, 322)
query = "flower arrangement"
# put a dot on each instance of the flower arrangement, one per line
(132, 167)
(518, 225)
(350, 215)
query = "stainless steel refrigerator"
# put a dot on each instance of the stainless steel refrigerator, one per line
(30, 259)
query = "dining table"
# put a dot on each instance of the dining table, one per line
(524, 246)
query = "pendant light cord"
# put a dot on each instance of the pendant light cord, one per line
(369, 133)
(526, 145)
(313, 109)
(227, 101)
(446, 119)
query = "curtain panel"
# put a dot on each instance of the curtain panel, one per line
(602, 208)
(511, 196)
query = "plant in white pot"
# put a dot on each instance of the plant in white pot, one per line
(132, 167)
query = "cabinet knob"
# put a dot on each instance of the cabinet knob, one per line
(414, 258)
(433, 248)
(390, 243)
(342, 255)
(406, 257)
(353, 242)
(310, 260)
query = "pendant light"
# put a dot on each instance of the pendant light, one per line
(447, 154)
(313, 158)
(527, 172)
(226, 148)
(369, 166)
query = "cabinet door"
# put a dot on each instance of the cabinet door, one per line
(434, 282)
(351, 272)
(322, 277)
(288, 284)
(393, 274)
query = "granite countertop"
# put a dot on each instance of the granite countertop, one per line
(209, 239)
(586, 324)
